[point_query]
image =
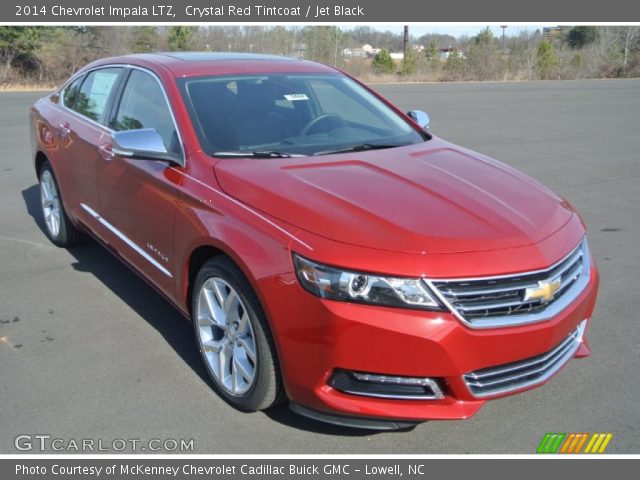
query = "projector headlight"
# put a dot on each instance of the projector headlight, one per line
(335, 284)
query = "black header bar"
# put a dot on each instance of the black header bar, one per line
(308, 11)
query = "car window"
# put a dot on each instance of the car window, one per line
(291, 114)
(93, 97)
(143, 105)
(334, 101)
(70, 93)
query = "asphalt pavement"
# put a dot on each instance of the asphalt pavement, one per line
(89, 351)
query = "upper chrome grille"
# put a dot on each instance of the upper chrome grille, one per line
(524, 373)
(511, 299)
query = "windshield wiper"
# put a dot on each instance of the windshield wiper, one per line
(361, 147)
(257, 154)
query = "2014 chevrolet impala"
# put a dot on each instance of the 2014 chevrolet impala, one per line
(327, 248)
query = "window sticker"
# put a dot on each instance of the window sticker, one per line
(292, 97)
(101, 88)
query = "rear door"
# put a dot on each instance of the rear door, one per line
(79, 125)
(137, 197)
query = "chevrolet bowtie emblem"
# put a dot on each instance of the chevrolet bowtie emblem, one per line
(544, 291)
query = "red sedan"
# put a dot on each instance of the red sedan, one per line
(327, 248)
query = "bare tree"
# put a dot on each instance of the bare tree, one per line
(629, 39)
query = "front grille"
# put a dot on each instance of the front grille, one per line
(524, 373)
(511, 299)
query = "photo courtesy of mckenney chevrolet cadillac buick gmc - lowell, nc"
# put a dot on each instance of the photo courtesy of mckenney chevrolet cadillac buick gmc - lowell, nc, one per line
(329, 250)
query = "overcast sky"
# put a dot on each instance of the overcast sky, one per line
(456, 30)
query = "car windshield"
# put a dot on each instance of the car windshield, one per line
(281, 115)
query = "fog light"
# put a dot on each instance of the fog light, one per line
(386, 386)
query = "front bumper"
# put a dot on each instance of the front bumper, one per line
(315, 337)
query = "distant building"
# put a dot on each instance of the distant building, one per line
(445, 53)
(354, 52)
(370, 50)
(553, 33)
(366, 51)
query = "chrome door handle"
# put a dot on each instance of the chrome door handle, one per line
(63, 130)
(106, 151)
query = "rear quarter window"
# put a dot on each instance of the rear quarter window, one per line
(70, 93)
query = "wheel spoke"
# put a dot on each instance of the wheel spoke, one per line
(235, 380)
(212, 346)
(46, 192)
(51, 188)
(212, 360)
(55, 223)
(246, 342)
(224, 358)
(205, 320)
(243, 367)
(243, 323)
(220, 292)
(213, 311)
(230, 307)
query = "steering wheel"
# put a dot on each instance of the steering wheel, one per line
(326, 118)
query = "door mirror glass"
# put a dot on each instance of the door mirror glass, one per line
(142, 144)
(420, 117)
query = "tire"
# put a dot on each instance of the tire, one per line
(233, 337)
(58, 227)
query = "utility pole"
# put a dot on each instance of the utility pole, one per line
(503, 27)
(406, 41)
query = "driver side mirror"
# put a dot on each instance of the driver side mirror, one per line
(142, 144)
(420, 117)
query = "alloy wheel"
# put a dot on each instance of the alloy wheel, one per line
(225, 336)
(50, 203)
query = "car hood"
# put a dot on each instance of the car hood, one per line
(433, 197)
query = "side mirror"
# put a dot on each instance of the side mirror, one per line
(142, 144)
(420, 117)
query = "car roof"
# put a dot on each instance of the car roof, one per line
(186, 64)
(220, 56)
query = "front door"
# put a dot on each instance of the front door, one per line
(137, 197)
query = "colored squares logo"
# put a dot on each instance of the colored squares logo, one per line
(574, 443)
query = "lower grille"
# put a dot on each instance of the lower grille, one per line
(524, 373)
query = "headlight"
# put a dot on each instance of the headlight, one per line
(334, 284)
